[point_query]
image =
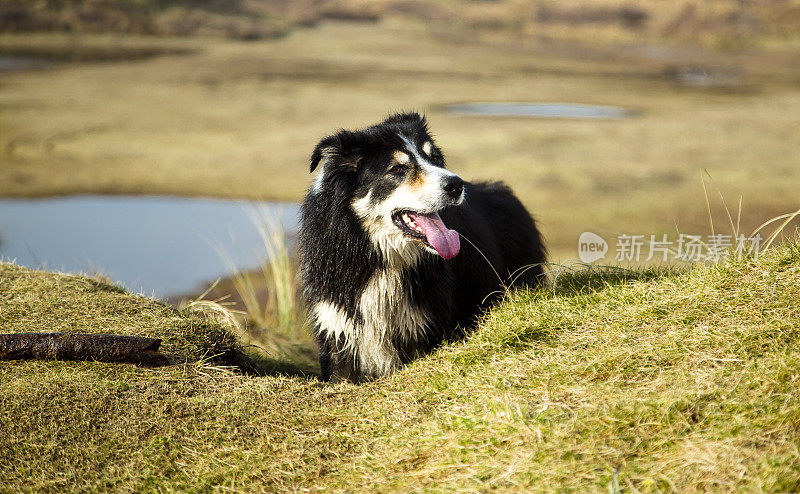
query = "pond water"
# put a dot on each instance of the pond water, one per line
(158, 246)
(537, 110)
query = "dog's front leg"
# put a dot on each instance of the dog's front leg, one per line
(336, 364)
(343, 369)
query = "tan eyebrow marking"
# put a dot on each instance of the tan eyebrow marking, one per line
(401, 157)
(427, 147)
(418, 179)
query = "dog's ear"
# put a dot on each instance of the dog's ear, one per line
(336, 149)
(326, 148)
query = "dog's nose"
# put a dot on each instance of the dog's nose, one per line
(453, 185)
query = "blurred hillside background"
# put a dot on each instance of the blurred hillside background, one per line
(227, 98)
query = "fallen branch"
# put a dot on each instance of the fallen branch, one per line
(81, 346)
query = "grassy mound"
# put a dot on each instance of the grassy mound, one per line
(40, 302)
(609, 380)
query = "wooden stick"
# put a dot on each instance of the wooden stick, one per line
(81, 346)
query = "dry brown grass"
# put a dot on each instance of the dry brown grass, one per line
(239, 120)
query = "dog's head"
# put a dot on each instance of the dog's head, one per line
(394, 178)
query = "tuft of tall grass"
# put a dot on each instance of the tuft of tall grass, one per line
(733, 231)
(217, 310)
(280, 269)
(271, 322)
(735, 228)
(268, 294)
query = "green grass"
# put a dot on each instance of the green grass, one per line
(642, 381)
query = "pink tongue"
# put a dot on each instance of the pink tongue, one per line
(446, 242)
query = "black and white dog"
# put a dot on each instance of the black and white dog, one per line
(385, 274)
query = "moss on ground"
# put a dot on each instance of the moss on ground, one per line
(645, 381)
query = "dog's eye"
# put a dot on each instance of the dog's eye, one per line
(397, 170)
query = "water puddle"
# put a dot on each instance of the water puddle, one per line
(158, 246)
(708, 77)
(538, 110)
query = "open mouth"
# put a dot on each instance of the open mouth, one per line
(430, 230)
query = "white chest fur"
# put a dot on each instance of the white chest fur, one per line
(387, 316)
